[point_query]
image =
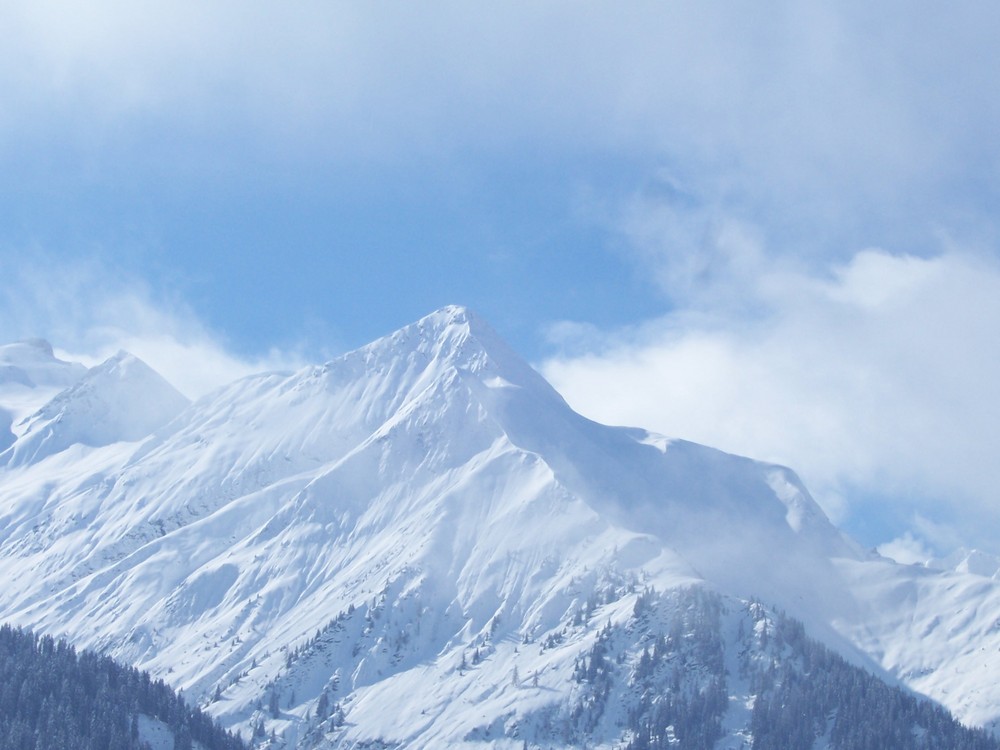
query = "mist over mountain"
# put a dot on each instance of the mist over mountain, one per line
(424, 524)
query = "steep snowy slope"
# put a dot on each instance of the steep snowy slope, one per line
(421, 523)
(937, 631)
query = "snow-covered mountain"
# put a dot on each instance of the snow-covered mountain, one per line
(30, 374)
(968, 561)
(121, 399)
(424, 524)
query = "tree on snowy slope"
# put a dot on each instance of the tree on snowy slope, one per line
(805, 692)
(52, 698)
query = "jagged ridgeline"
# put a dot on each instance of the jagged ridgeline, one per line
(52, 697)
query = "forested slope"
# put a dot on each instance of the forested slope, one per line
(53, 698)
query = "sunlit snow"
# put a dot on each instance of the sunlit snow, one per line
(366, 528)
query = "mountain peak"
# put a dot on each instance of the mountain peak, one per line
(26, 349)
(456, 337)
(452, 325)
(124, 364)
(32, 363)
(30, 374)
(121, 399)
(451, 315)
(458, 320)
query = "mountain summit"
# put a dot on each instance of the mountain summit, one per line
(122, 399)
(30, 374)
(424, 523)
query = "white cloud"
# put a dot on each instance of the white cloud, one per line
(877, 379)
(792, 101)
(906, 550)
(89, 310)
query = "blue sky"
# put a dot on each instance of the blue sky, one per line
(771, 228)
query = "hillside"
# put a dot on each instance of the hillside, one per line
(53, 698)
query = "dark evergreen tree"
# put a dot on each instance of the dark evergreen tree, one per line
(811, 692)
(52, 698)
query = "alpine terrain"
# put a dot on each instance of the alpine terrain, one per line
(420, 545)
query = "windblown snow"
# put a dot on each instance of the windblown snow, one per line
(422, 523)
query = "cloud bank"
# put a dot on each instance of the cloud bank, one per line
(778, 109)
(877, 379)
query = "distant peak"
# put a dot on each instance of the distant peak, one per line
(41, 345)
(124, 365)
(33, 366)
(121, 399)
(34, 350)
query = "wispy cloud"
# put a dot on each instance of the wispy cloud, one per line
(89, 310)
(906, 550)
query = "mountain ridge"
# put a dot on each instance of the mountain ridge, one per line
(121, 399)
(425, 498)
(30, 374)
